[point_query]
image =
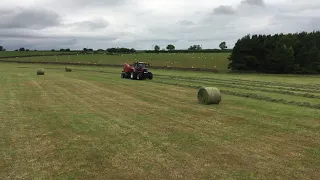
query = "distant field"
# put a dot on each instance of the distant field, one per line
(91, 124)
(29, 53)
(197, 60)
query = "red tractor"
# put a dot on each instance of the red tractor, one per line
(137, 70)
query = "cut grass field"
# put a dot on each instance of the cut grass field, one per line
(91, 124)
(196, 60)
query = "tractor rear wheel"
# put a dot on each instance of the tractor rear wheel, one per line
(123, 75)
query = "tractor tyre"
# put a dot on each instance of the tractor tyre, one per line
(150, 75)
(139, 76)
(133, 75)
(123, 75)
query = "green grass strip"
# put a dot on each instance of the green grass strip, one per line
(306, 95)
(250, 95)
(311, 88)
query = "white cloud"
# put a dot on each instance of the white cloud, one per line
(143, 23)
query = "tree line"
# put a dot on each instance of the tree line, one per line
(169, 48)
(193, 48)
(294, 53)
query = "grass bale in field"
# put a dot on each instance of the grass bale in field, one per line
(68, 69)
(209, 95)
(40, 71)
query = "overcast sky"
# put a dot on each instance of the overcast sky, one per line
(75, 24)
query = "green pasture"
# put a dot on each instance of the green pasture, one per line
(91, 124)
(196, 60)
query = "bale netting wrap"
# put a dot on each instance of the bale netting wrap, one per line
(40, 71)
(209, 95)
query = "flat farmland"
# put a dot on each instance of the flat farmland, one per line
(196, 60)
(30, 53)
(91, 124)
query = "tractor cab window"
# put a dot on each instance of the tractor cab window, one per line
(142, 65)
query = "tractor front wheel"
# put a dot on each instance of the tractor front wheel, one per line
(123, 75)
(150, 75)
(133, 75)
(139, 76)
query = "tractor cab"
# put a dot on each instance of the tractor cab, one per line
(140, 66)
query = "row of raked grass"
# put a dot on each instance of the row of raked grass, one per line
(242, 90)
(252, 88)
(302, 87)
(266, 93)
(249, 94)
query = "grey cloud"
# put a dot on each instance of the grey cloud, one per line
(94, 3)
(97, 23)
(32, 39)
(39, 44)
(5, 11)
(291, 23)
(56, 43)
(186, 23)
(245, 8)
(29, 18)
(33, 34)
(254, 2)
(223, 9)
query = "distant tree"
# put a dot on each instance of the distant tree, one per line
(157, 48)
(16, 50)
(223, 45)
(195, 47)
(120, 50)
(1, 48)
(53, 50)
(62, 50)
(27, 50)
(170, 47)
(85, 49)
(68, 50)
(132, 50)
(90, 50)
(22, 49)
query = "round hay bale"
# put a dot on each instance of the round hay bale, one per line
(68, 69)
(209, 95)
(40, 71)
